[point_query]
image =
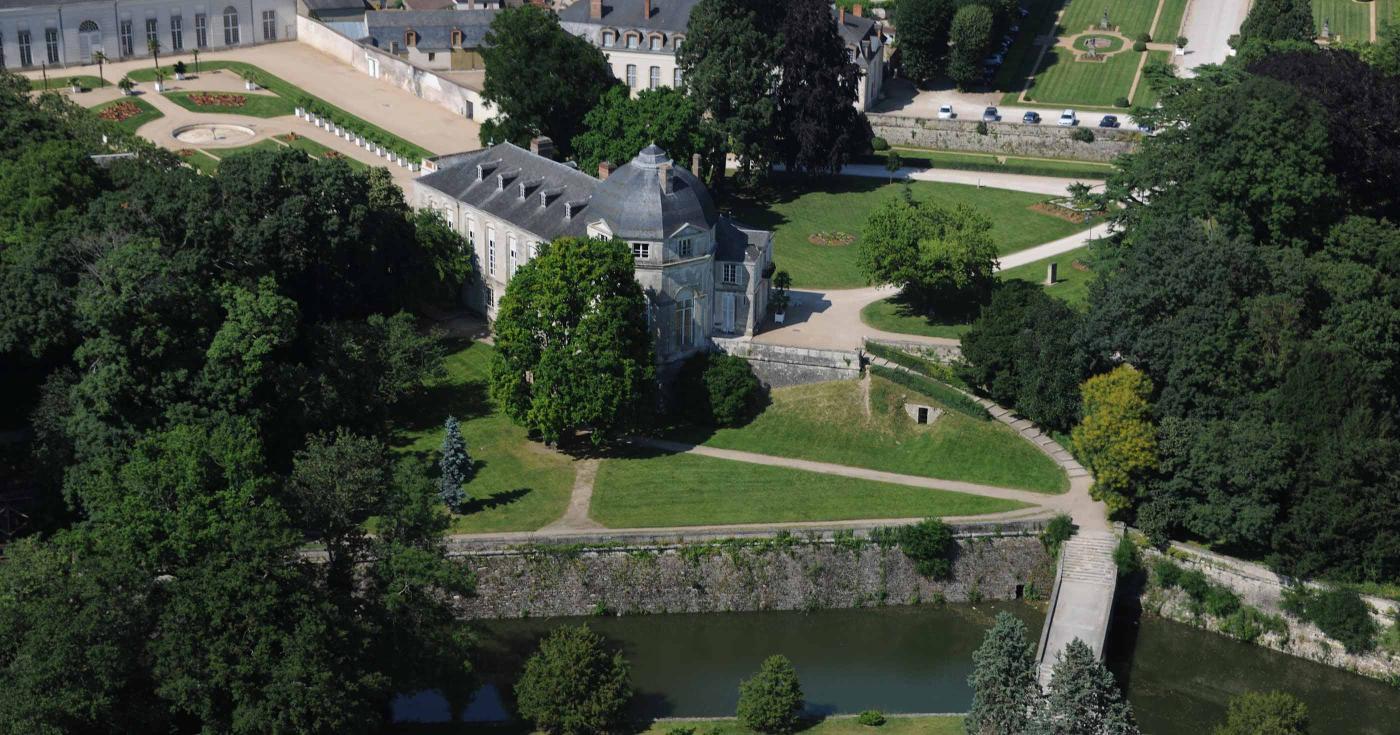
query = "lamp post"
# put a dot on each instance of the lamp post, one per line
(99, 58)
(196, 61)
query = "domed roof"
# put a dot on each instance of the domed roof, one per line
(636, 206)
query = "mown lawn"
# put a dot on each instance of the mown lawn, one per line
(1169, 23)
(86, 82)
(1146, 96)
(1347, 18)
(254, 105)
(651, 488)
(202, 162)
(1130, 16)
(893, 315)
(827, 422)
(841, 204)
(316, 150)
(266, 144)
(1064, 81)
(147, 114)
(519, 485)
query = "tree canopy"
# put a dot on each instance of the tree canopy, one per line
(939, 255)
(819, 126)
(1005, 690)
(621, 125)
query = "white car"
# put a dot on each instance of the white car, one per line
(946, 112)
(1067, 119)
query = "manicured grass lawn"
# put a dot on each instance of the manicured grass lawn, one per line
(266, 144)
(519, 485)
(656, 489)
(1146, 96)
(891, 315)
(202, 162)
(85, 81)
(1131, 16)
(1064, 81)
(316, 150)
(1349, 19)
(1169, 23)
(841, 204)
(1388, 11)
(958, 160)
(295, 94)
(255, 105)
(826, 422)
(147, 114)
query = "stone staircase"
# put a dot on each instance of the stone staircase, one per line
(1088, 557)
(1082, 601)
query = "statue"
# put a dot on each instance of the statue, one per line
(1103, 23)
(1327, 28)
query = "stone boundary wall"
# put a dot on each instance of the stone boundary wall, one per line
(777, 366)
(938, 352)
(1261, 588)
(1046, 140)
(422, 83)
(784, 573)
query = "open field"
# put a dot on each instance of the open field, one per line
(519, 485)
(841, 204)
(827, 422)
(651, 488)
(254, 105)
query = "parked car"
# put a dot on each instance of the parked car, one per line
(946, 112)
(1031, 118)
(991, 115)
(1067, 119)
(1109, 121)
(994, 60)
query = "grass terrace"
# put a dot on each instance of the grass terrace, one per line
(1348, 19)
(127, 113)
(961, 161)
(316, 150)
(235, 103)
(86, 82)
(798, 211)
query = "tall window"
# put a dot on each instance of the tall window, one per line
(177, 33)
(686, 248)
(471, 232)
(2, 52)
(655, 77)
(231, 26)
(609, 39)
(152, 33)
(491, 250)
(124, 34)
(731, 273)
(641, 250)
(51, 44)
(269, 25)
(676, 78)
(26, 56)
(490, 299)
(631, 76)
(201, 30)
(683, 327)
(656, 43)
(511, 271)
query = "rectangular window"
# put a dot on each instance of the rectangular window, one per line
(124, 33)
(686, 248)
(512, 262)
(471, 232)
(633, 40)
(631, 76)
(683, 326)
(432, 56)
(152, 34)
(26, 55)
(491, 250)
(731, 273)
(201, 30)
(51, 44)
(2, 52)
(676, 78)
(655, 77)
(270, 25)
(641, 250)
(490, 299)
(656, 43)
(177, 33)
(231, 37)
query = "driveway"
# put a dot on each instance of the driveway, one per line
(1208, 27)
(904, 99)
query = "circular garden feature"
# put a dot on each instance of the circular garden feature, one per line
(1099, 44)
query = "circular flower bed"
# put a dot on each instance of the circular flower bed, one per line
(119, 112)
(211, 99)
(1096, 44)
(834, 238)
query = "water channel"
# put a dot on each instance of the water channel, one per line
(917, 659)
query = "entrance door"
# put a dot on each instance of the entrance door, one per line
(730, 306)
(374, 68)
(89, 41)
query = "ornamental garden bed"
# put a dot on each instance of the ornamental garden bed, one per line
(120, 112)
(211, 99)
(252, 105)
(127, 113)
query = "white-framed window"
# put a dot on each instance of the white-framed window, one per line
(177, 33)
(51, 44)
(731, 273)
(686, 248)
(513, 257)
(471, 231)
(609, 39)
(231, 37)
(124, 37)
(634, 41)
(655, 80)
(152, 32)
(676, 77)
(201, 30)
(491, 250)
(641, 250)
(26, 54)
(683, 323)
(657, 42)
(269, 19)
(631, 76)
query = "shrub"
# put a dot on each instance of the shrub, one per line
(1144, 37)
(718, 389)
(871, 718)
(930, 544)
(982, 127)
(879, 144)
(1248, 624)
(1167, 573)
(1194, 583)
(1265, 713)
(1341, 614)
(1083, 135)
(1121, 102)
(1126, 557)
(771, 700)
(1056, 533)
(1139, 46)
(572, 686)
(1220, 602)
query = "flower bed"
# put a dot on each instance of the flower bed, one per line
(835, 238)
(119, 112)
(209, 99)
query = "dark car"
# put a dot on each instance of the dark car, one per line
(991, 115)
(1031, 118)
(1109, 121)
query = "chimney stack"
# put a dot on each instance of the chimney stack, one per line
(646, 8)
(595, 8)
(856, 10)
(542, 146)
(604, 169)
(667, 178)
(695, 165)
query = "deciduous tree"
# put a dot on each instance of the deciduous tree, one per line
(938, 255)
(971, 36)
(1265, 713)
(923, 36)
(573, 685)
(771, 700)
(817, 121)
(620, 125)
(1117, 438)
(1279, 20)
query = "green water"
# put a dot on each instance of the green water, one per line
(917, 659)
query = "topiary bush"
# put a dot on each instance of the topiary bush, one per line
(1144, 37)
(718, 389)
(1121, 102)
(771, 701)
(871, 718)
(1139, 46)
(1341, 614)
(879, 144)
(930, 544)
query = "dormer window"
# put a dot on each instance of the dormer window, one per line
(634, 40)
(686, 248)
(658, 42)
(410, 38)
(731, 273)
(609, 39)
(641, 250)
(456, 38)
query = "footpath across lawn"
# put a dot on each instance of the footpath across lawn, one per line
(797, 211)
(520, 485)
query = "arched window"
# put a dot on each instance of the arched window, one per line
(89, 39)
(231, 37)
(657, 42)
(88, 26)
(609, 39)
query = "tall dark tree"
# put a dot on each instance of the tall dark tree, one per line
(454, 465)
(621, 125)
(1083, 698)
(817, 121)
(971, 35)
(923, 36)
(1279, 20)
(541, 79)
(1005, 690)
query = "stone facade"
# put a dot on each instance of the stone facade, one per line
(45, 32)
(732, 576)
(777, 366)
(1008, 139)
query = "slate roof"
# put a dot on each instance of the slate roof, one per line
(328, 5)
(545, 219)
(632, 203)
(666, 15)
(733, 240)
(434, 27)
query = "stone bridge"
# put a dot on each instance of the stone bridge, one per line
(1082, 600)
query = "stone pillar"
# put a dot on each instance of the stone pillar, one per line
(1052, 272)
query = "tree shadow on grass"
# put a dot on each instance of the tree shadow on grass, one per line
(907, 307)
(754, 206)
(493, 501)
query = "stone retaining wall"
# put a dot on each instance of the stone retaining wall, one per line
(1046, 140)
(778, 366)
(773, 574)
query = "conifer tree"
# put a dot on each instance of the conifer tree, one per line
(456, 466)
(1004, 687)
(1083, 698)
